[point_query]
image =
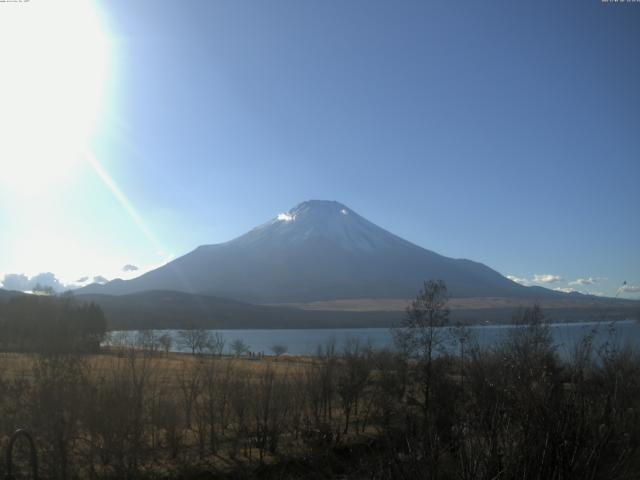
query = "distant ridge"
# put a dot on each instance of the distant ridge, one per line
(9, 294)
(166, 309)
(319, 250)
(158, 309)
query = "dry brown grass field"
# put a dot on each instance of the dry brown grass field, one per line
(14, 365)
(515, 411)
(130, 413)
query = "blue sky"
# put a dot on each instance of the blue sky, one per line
(505, 132)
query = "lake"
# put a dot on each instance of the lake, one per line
(306, 341)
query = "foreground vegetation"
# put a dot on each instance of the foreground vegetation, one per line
(514, 411)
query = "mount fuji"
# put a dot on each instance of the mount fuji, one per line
(319, 250)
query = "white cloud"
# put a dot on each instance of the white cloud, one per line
(587, 281)
(25, 283)
(566, 290)
(22, 283)
(630, 288)
(584, 292)
(16, 281)
(521, 281)
(547, 278)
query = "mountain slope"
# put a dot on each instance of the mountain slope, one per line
(319, 250)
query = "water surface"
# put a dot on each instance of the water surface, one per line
(306, 341)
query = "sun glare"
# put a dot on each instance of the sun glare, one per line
(54, 57)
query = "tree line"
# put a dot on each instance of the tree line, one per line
(46, 323)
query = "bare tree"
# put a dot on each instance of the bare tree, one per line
(353, 375)
(238, 347)
(462, 336)
(195, 340)
(166, 341)
(147, 341)
(271, 408)
(279, 349)
(189, 385)
(215, 344)
(60, 386)
(421, 333)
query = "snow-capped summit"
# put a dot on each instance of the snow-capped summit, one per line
(319, 250)
(317, 211)
(314, 220)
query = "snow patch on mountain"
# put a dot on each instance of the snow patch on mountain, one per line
(286, 217)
